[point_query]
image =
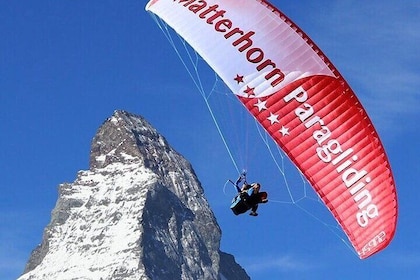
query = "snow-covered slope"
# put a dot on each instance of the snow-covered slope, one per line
(139, 212)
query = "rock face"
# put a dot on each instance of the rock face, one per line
(139, 212)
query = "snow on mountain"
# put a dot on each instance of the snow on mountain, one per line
(139, 212)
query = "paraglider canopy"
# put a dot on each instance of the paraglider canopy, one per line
(297, 95)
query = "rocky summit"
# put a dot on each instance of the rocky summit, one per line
(139, 212)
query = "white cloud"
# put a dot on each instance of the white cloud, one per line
(282, 263)
(400, 259)
(12, 259)
(375, 47)
(17, 240)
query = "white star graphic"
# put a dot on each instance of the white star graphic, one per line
(261, 105)
(284, 131)
(273, 118)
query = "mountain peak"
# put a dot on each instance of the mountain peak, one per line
(139, 212)
(124, 138)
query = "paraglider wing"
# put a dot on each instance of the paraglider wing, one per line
(302, 101)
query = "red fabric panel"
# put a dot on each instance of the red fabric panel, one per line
(353, 177)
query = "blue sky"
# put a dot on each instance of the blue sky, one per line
(65, 66)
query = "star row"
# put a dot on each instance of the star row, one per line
(262, 105)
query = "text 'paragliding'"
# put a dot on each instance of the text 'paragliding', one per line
(349, 175)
